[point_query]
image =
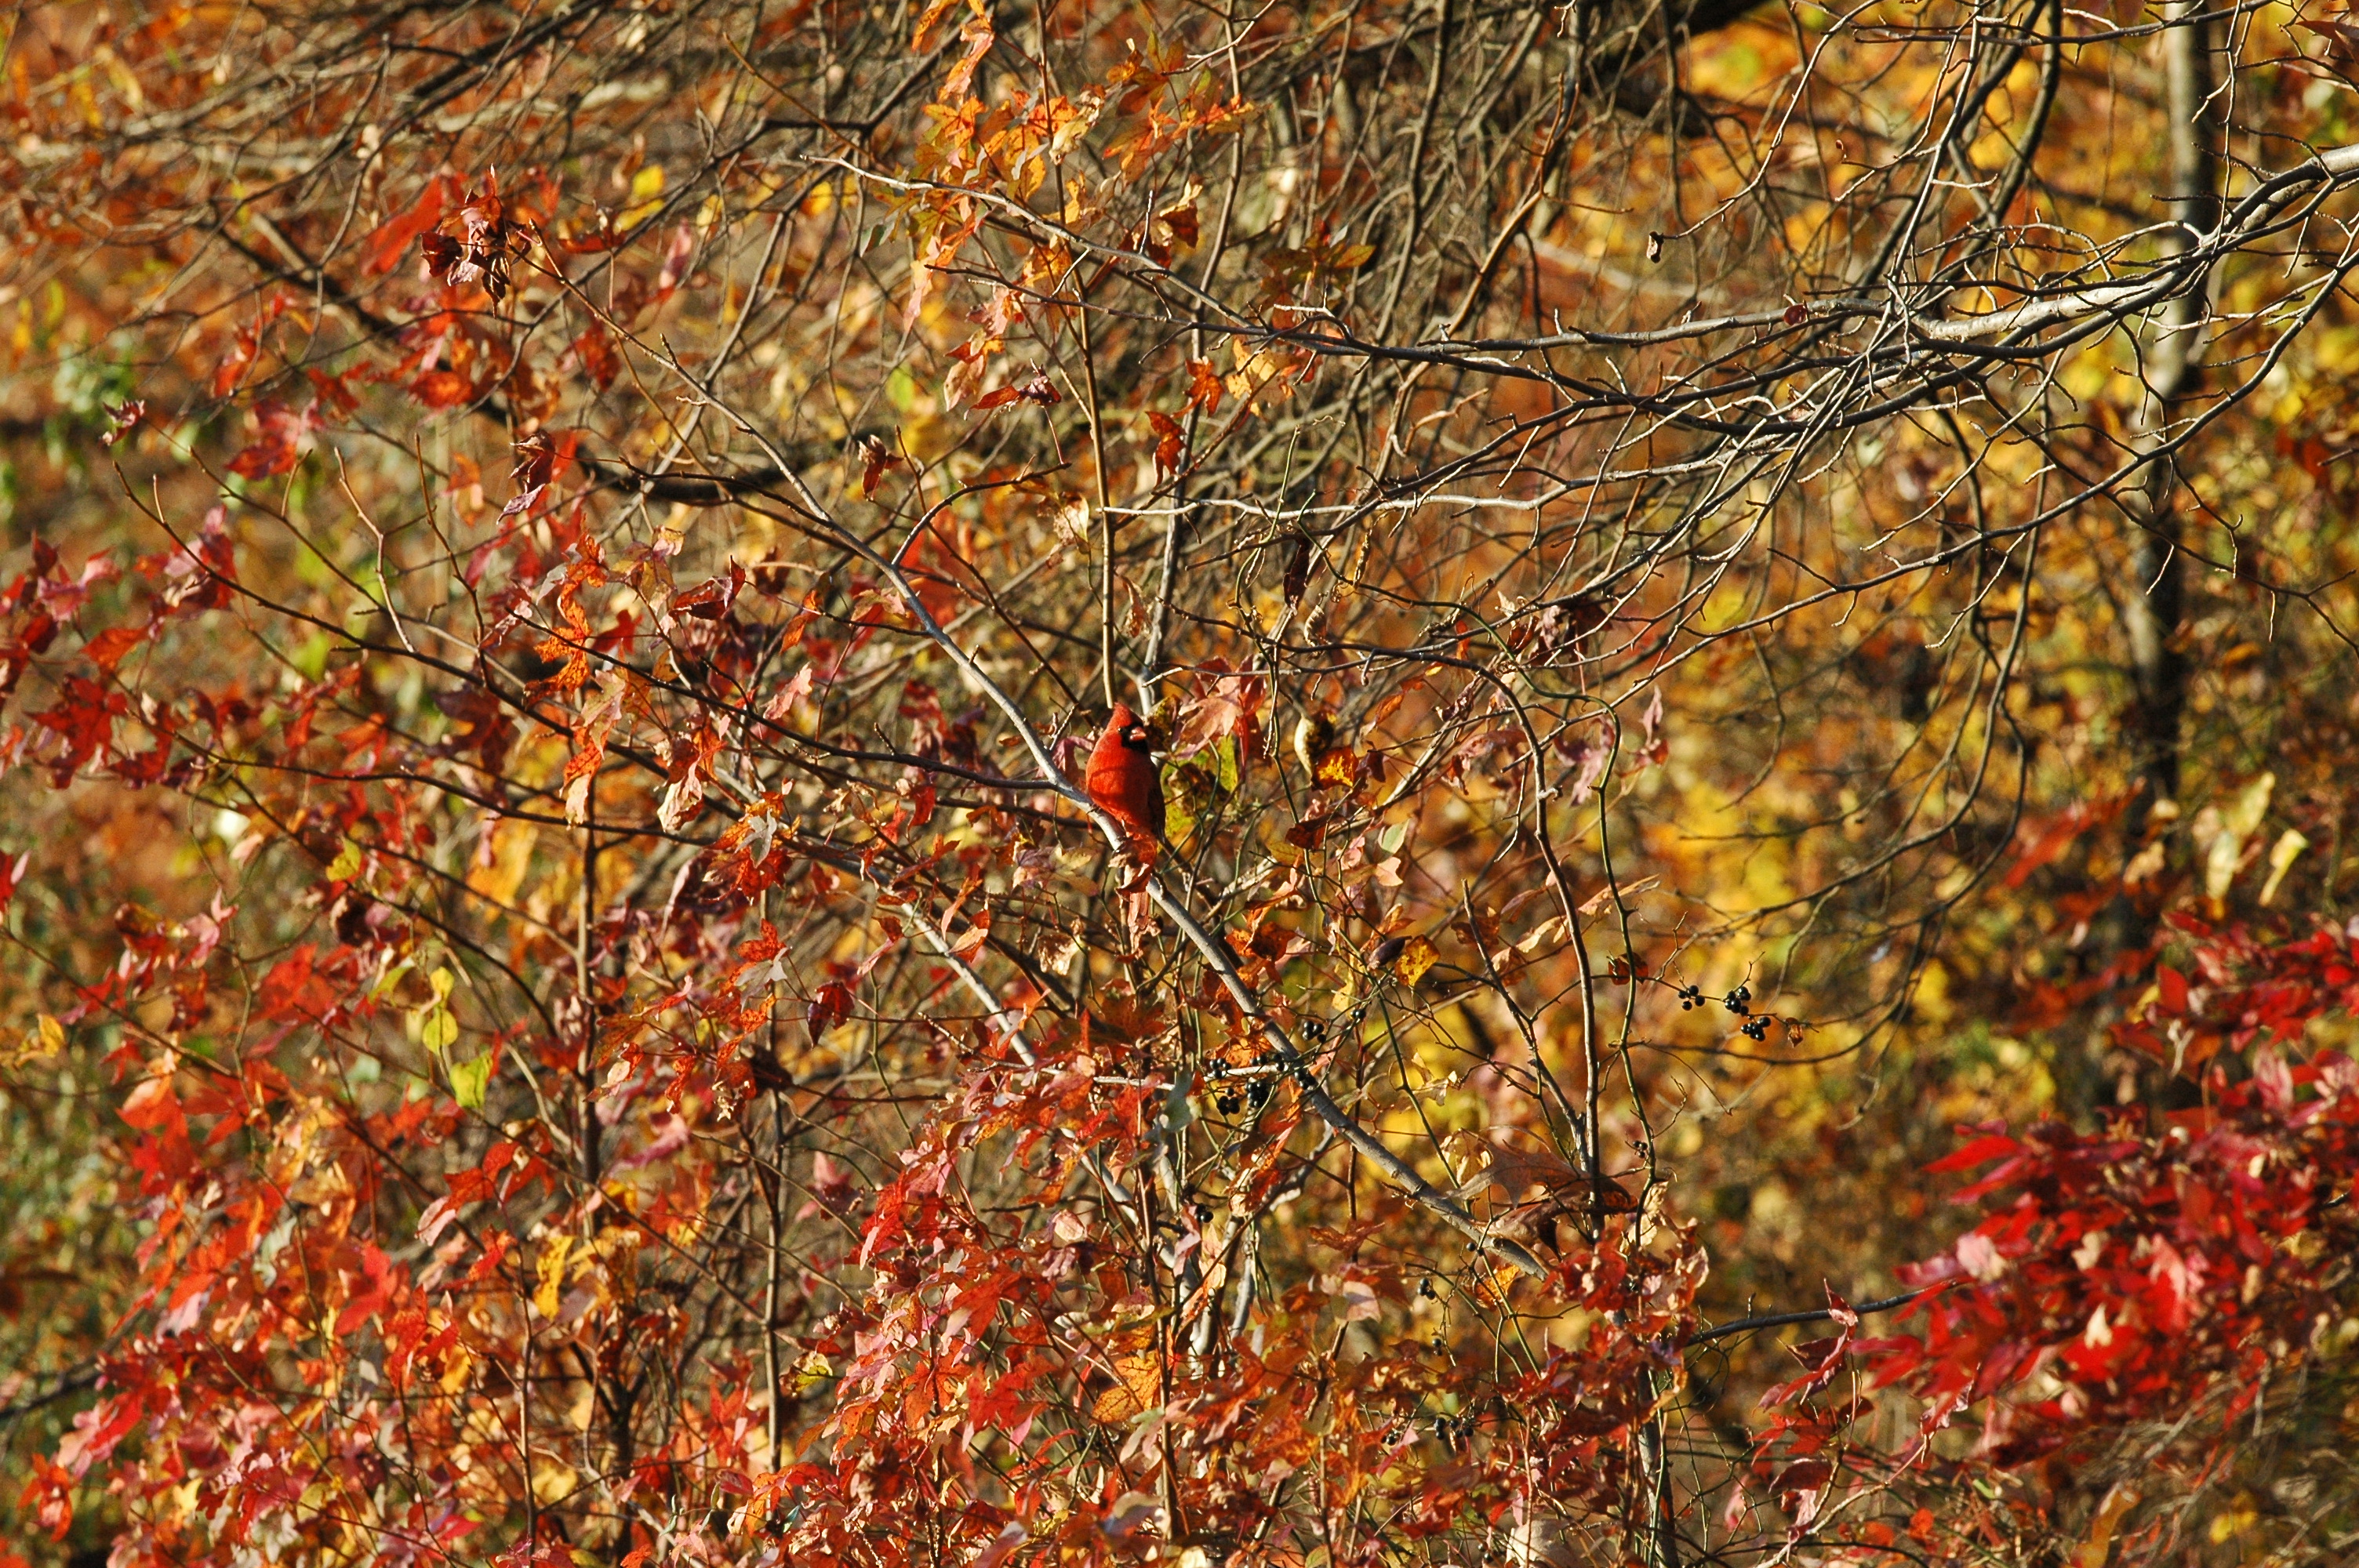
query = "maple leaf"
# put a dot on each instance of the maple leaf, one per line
(1205, 386)
(1170, 443)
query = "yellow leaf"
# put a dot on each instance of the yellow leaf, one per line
(646, 189)
(552, 1480)
(498, 874)
(44, 1039)
(2282, 855)
(1416, 955)
(552, 1273)
(1490, 1286)
(2222, 834)
(1140, 1389)
(1338, 766)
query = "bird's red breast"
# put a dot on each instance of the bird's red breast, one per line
(1123, 780)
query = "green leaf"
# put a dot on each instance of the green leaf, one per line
(437, 1028)
(386, 981)
(469, 1080)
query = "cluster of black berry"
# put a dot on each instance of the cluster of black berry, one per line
(1738, 1002)
(1254, 1093)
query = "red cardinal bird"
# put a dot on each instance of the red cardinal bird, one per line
(1123, 783)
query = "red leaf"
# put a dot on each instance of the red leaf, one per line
(1807, 1476)
(1978, 1151)
(248, 346)
(282, 436)
(121, 421)
(2045, 842)
(495, 1251)
(153, 1105)
(441, 256)
(593, 352)
(1040, 390)
(333, 395)
(1172, 443)
(538, 460)
(389, 241)
(876, 458)
(294, 992)
(1204, 386)
(199, 578)
(711, 599)
(83, 719)
(831, 1006)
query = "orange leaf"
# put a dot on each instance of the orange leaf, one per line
(107, 649)
(442, 389)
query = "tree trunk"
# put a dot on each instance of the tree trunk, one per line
(2155, 602)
